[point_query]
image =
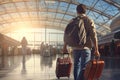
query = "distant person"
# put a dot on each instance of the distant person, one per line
(42, 47)
(24, 44)
(112, 48)
(82, 54)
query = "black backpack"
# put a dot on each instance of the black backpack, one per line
(73, 35)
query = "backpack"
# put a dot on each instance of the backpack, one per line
(74, 36)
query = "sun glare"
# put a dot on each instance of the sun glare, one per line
(35, 36)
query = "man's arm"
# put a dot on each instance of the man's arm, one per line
(65, 45)
(96, 47)
(94, 38)
(65, 48)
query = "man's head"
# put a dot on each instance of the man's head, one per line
(81, 9)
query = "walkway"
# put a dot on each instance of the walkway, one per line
(43, 68)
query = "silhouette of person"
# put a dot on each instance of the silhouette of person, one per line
(24, 50)
(112, 48)
(42, 48)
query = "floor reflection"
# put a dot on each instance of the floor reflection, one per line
(8, 62)
(112, 68)
(47, 61)
(23, 71)
(112, 62)
(36, 67)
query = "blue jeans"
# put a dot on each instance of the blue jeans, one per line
(81, 57)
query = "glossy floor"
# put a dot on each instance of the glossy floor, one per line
(43, 68)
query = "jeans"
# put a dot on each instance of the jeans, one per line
(81, 57)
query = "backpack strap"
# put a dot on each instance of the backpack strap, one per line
(84, 18)
(85, 27)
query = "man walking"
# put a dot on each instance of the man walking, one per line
(82, 54)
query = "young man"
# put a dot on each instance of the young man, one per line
(83, 54)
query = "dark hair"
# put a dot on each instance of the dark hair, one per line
(81, 8)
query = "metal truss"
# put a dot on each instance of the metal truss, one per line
(55, 14)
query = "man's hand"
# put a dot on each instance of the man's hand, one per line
(65, 48)
(97, 54)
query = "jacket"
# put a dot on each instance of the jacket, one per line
(90, 29)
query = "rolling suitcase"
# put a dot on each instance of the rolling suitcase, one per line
(63, 66)
(94, 69)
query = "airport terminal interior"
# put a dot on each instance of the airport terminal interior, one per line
(42, 23)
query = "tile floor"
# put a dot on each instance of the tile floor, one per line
(43, 68)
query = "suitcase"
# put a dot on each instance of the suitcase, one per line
(94, 69)
(63, 67)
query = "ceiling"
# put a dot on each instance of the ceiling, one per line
(55, 14)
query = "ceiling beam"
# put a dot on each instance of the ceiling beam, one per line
(69, 2)
(113, 2)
